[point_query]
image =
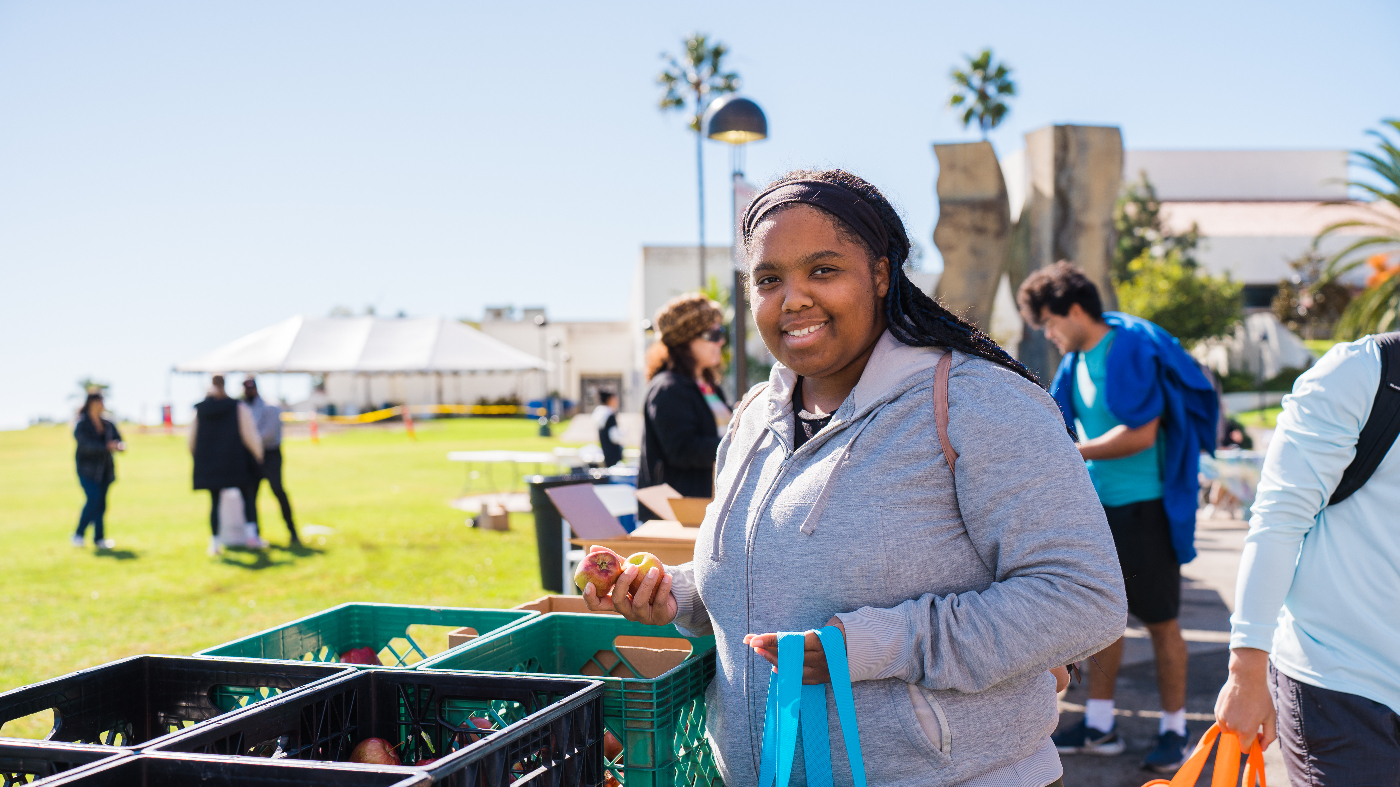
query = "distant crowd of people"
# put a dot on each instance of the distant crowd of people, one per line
(235, 445)
(841, 499)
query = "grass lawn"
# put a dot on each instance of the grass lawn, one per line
(1267, 418)
(385, 497)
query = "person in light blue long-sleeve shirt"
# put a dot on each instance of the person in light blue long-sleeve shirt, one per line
(1319, 588)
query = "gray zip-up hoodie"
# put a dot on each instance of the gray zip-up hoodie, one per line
(967, 592)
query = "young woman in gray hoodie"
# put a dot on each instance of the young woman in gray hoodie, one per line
(959, 577)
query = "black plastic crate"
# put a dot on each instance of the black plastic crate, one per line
(136, 701)
(25, 762)
(541, 730)
(164, 770)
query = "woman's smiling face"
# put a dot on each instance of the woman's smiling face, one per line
(815, 295)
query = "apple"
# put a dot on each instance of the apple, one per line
(421, 763)
(375, 751)
(645, 561)
(599, 568)
(612, 747)
(360, 656)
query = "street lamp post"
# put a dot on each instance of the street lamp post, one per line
(541, 322)
(737, 121)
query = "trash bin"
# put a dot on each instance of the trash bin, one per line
(549, 525)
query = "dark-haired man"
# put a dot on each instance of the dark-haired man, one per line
(1143, 411)
(268, 418)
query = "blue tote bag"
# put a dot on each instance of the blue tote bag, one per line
(791, 706)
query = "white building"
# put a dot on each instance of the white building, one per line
(1256, 209)
(584, 357)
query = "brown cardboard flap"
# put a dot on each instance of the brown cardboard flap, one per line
(651, 662)
(690, 511)
(658, 498)
(461, 636)
(545, 604)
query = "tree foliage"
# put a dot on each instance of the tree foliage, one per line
(1306, 304)
(1137, 219)
(1377, 308)
(979, 89)
(691, 81)
(1176, 295)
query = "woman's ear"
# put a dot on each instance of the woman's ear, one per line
(882, 276)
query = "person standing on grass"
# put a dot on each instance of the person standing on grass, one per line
(1316, 632)
(609, 436)
(1143, 411)
(685, 413)
(98, 439)
(227, 452)
(268, 418)
(961, 564)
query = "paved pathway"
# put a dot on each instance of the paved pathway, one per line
(1207, 598)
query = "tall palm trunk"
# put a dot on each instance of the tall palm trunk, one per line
(700, 182)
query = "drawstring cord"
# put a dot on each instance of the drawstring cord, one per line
(758, 445)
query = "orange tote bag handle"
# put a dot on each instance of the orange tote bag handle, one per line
(1227, 763)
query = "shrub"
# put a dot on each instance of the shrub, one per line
(1176, 295)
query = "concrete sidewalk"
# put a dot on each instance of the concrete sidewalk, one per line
(1208, 594)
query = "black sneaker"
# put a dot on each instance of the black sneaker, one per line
(1171, 752)
(1083, 739)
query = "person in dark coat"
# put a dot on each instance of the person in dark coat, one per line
(227, 454)
(97, 439)
(609, 435)
(685, 414)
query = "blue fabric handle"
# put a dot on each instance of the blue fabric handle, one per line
(790, 703)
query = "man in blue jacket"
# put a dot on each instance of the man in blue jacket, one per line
(1143, 411)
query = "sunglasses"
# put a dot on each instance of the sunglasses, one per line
(715, 335)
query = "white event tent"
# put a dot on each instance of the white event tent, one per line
(367, 361)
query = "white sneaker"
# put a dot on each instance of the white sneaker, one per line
(78, 542)
(257, 542)
(106, 543)
(215, 547)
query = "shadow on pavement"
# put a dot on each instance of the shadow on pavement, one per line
(116, 554)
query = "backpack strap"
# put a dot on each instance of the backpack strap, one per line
(753, 394)
(1382, 427)
(940, 406)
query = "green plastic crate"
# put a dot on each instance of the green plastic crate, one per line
(660, 721)
(384, 627)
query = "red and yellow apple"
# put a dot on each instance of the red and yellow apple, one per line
(360, 656)
(646, 561)
(375, 751)
(599, 568)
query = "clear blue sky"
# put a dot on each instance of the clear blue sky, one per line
(175, 175)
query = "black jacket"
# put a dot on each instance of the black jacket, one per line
(679, 437)
(220, 458)
(94, 460)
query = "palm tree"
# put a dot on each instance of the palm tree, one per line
(690, 83)
(1377, 308)
(980, 86)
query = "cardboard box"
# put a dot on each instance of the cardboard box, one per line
(671, 542)
(461, 636)
(546, 604)
(672, 505)
(650, 657)
(493, 517)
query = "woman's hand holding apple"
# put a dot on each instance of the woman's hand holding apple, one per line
(651, 602)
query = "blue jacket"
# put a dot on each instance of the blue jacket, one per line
(1150, 376)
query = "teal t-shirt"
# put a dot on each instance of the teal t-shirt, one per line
(1130, 479)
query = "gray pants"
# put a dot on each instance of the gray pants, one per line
(1330, 738)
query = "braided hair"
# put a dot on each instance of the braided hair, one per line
(913, 317)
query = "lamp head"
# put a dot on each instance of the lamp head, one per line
(734, 120)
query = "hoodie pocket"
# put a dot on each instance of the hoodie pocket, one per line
(925, 724)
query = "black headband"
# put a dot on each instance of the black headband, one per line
(841, 202)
